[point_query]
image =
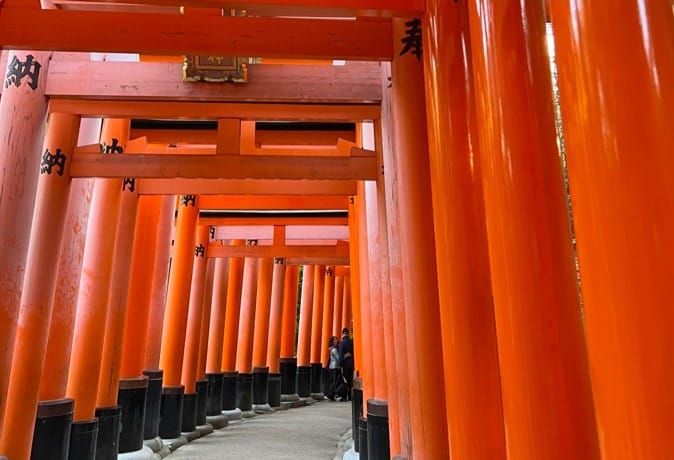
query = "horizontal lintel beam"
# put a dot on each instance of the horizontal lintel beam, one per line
(246, 187)
(340, 251)
(275, 202)
(174, 34)
(271, 220)
(224, 166)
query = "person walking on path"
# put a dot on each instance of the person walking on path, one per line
(346, 361)
(333, 368)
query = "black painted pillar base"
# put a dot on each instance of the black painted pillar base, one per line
(230, 383)
(214, 405)
(189, 418)
(51, 435)
(288, 368)
(131, 396)
(356, 410)
(316, 379)
(152, 402)
(83, 437)
(202, 401)
(304, 381)
(378, 443)
(171, 415)
(260, 385)
(362, 438)
(244, 394)
(274, 390)
(109, 425)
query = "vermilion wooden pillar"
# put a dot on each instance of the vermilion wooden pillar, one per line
(23, 110)
(338, 304)
(244, 349)
(547, 401)
(288, 361)
(304, 334)
(275, 327)
(261, 332)
(472, 380)
(353, 313)
(217, 319)
(193, 332)
(117, 300)
(177, 298)
(232, 314)
(39, 286)
(159, 281)
(205, 318)
(142, 268)
(92, 302)
(617, 105)
(400, 388)
(347, 319)
(328, 312)
(317, 331)
(417, 250)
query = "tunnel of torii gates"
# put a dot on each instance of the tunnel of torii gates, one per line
(418, 185)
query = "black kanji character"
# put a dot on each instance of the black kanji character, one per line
(187, 199)
(412, 41)
(131, 182)
(18, 70)
(199, 251)
(114, 148)
(50, 160)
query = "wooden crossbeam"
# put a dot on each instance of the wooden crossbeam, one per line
(205, 136)
(336, 252)
(224, 166)
(356, 82)
(294, 234)
(246, 187)
(275, 202)
(213, 111)
(273, 220)
(196, 34)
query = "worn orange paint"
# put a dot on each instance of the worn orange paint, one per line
(177, 297)
(244, 345)
(205, 319)
(306, 306)
(37, 296)
(618, 144)
(57, 359)
(142, 268)
(216, 333)
(289, 311)
(195, 313)
(232, 312)
(276, 316)
(22, 115)
(472, 379)
(317, 313)
(159, 281)
(92, 302)
(417, 250)
(262, 310)
(108, 381)
(545, 384)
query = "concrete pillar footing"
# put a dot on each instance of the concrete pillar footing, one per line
(191, 435)
(261, 408)
(143, 454)
(290, 398)
(217, 421)
(351, 455)
(205, 429)
(248, 414)
(234, 414)
(155, 444)
(308, 400)
(318, 396)
(175, 443)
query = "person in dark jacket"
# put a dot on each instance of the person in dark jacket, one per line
(346, 363)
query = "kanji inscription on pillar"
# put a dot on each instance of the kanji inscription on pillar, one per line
(211, 231)
(18, 70)
(412, 39)
(187, 200)
(129, 184)
(199, 251)
(51, 160)
(112, 148)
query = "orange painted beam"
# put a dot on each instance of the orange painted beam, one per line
(224, 166)
(274, 202)
(281, 234)
(196, 34)
(246, 187)
(355, 82)
(200, 111)
(273, 220)
(339, 251)
(262, 137)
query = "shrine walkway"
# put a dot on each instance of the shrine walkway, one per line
(314, 432)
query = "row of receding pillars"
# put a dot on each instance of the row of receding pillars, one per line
(483, 326)
(103, 340)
